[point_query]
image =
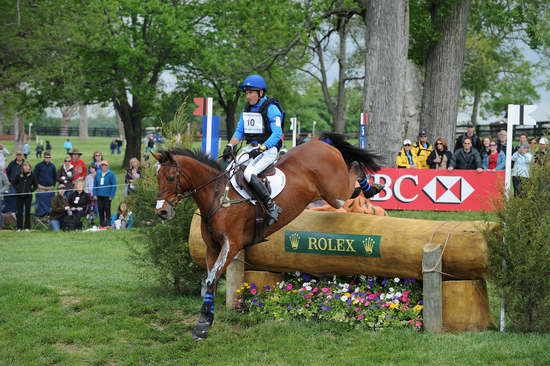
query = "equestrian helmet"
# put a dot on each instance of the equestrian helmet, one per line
(254, 82)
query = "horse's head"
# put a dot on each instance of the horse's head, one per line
(172, 184)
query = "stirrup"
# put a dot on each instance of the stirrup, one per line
(273, 214)
(375, 188)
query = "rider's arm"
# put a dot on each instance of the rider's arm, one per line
(239, 133)
(275, 119)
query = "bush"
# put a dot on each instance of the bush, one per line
(519, 254)
(164, 250)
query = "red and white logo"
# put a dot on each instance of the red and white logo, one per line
(448, 189)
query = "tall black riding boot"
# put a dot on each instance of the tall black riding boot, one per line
(272, 209)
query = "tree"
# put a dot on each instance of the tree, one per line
(444, 65)
(83, 121)
(386, 37)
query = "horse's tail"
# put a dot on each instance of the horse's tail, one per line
(351, 153)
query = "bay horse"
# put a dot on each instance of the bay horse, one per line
(324, 168)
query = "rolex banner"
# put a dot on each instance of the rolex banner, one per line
(335, 244)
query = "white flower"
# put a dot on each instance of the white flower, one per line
(312, 281)
(398, 294)
(382, 296)
(308, 288)
(392, 289)
(281, 284)
(297, 273)
(363, 277)
(396, 280)
(344, 298)
(357, 289)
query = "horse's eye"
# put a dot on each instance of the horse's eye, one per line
(170, 179)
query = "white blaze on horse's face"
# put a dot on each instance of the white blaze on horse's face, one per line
(167, 192)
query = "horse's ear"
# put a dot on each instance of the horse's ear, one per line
(157, 156)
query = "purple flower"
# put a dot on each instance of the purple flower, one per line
(421, 302)
(306, 277)
(371, 283)
(260, 305)
(384, 282)
(254, 300)
(267, 287)
(326, 308)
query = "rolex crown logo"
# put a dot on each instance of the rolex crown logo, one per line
(368, 245)
(294, 240)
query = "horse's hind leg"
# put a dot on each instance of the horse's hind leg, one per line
(215, 270)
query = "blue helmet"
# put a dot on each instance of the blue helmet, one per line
(254, 82)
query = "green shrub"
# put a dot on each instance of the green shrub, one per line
(164, 250)
(519, 254)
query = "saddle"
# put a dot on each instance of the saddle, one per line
(272, 177)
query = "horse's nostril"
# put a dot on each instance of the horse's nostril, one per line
(163, 213)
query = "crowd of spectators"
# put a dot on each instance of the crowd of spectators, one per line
(473, 153)
(64, 197)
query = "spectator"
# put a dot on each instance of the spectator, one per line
(60, 208)
(48, 146)
(520, 172)
(97, 158)
(26, 150)
(150, 144)
(113, 147)
(4, 188)
(466, 158)
(533, 143)
(89, 188)
(523, 140)
(470, 133)
(132, 175)
(440, 157)
(104, 190)
(24, 184)
(3, 155)
(405, 158)
(46, 176)
(39, 150)
(485, 147)
(493, 160)
(12, 171)
(119, 141)
(80, 170)
(68, 145)
(65, 174)
(542, 156)
(422, 150)
(502, 134)
(79, 201)
(123, 218)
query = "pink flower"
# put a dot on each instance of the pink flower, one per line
(289, 286)
(253, 291)
(356, 309)
(325, 290)
(418, 324)
(367, 303)
(360, 316)
(315, 290)
(372, 296)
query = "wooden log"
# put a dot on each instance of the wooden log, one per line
(262, 279)
(466, 306)
(431, 288)
(234, 279)
(398, 244)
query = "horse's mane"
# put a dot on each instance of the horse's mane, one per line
(193, 154)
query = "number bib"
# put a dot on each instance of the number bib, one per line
(253, 123)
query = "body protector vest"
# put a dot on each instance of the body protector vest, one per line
(256, 124)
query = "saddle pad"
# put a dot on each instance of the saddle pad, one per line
(277, 183)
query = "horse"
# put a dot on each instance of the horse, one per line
(324, 168)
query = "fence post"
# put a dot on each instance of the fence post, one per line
(432, 288)
(234, 279)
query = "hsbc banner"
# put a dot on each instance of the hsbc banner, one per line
(438, 190)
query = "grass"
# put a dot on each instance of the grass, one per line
(74, 299)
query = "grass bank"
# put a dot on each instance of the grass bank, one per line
(74, 298)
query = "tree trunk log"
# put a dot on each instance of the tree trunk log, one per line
(340, 121)
(119, 124)
(475, 107)
(18, 133)
(387, 40)
(444, 67)
(131, 119)
(401, 245)
(83, 124)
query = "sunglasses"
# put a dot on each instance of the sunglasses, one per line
(67, 161)
(407, 145)
(493, 145)
(439, 143)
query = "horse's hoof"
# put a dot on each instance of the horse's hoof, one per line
(200, 332)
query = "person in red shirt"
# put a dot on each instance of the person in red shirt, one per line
(494, 160)
(80, 170)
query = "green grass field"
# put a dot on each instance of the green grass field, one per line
(74, 299)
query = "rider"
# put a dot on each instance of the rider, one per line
(261, 125)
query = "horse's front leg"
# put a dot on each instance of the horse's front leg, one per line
(215, 270)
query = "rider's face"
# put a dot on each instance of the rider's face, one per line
(253, 96)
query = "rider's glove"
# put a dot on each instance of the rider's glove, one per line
(228, 151)
(252, 154)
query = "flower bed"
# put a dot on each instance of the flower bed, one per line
(362, 301)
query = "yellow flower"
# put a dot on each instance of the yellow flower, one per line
(347, 294)
(417, 308)
(246, 285)
(237, 291)
(393, 306)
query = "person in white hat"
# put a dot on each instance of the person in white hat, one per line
(405, 158)
(542, 155)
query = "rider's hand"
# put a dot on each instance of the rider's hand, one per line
(252, 154)
(228, 151)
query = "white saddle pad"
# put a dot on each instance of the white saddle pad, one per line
(277, 183)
